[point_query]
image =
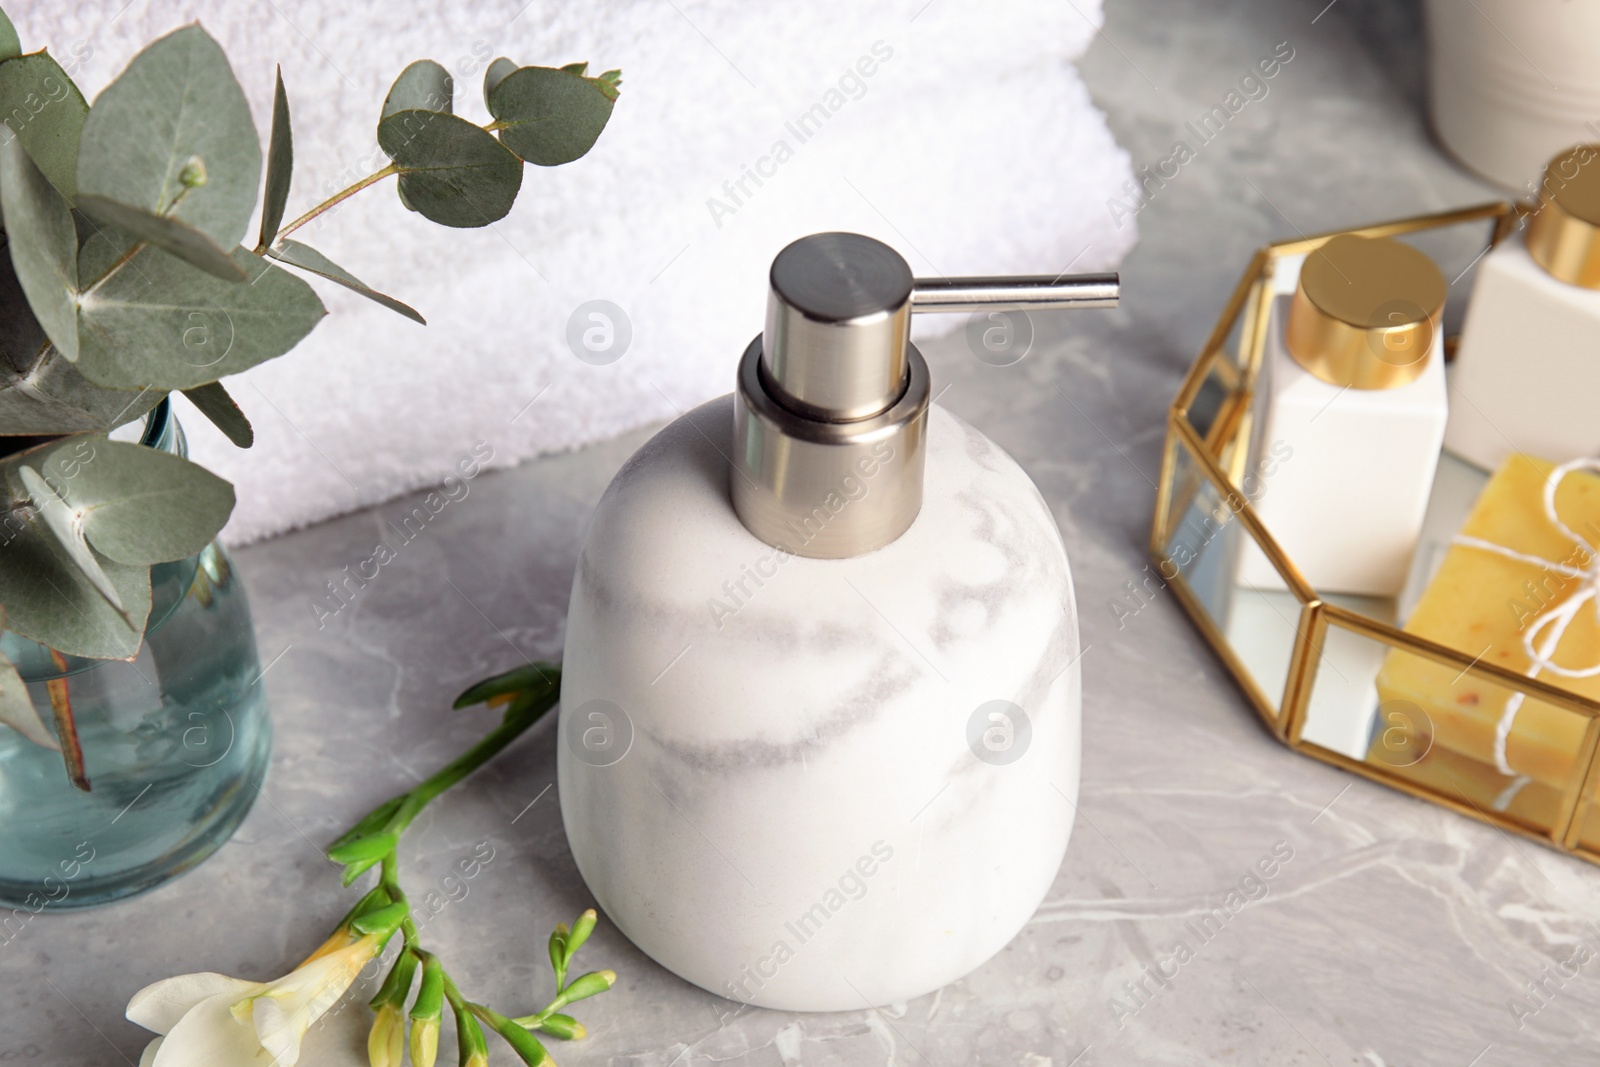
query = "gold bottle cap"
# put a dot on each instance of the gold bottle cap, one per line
(1365, 312)
(1564, 234)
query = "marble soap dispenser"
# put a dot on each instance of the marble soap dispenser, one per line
(820, 702)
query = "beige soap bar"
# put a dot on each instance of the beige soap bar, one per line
(1481, 602)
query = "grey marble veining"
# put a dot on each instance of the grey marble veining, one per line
(1394, 933)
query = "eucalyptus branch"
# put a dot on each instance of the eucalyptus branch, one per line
(371, 179)
(334, 200)
(96, 195)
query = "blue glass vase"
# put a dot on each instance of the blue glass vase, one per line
(176, 744)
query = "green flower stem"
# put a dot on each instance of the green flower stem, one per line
(508, 731)
(589, 985)
(532, 1022)
(373, 843)
(523, 1043)
(389, 882)
(335, 199)
(452, 994)
(522, 714)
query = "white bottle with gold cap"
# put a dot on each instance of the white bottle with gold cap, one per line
(1354, 408)
(1526, 377)
(820, 701)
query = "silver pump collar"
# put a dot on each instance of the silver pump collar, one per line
(831, 404)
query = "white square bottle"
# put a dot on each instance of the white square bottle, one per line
(1353, 405)
(1527, 373)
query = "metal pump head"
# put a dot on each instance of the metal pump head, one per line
(830, 412)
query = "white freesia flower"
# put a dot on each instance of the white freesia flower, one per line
(211, 1020)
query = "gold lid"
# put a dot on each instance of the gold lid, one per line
(1365, 312)
(1564, 235)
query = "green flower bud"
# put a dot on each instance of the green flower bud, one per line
(522, 1043)
(384, 921)
(424, 1042)
(582, 927)
(474, 1051)
(588, 985)
(193, 174)
(430, 994)
(538, 679)
(386, 1042)
(558, 953)
(376, 846)
(396, 988)
(563, 1026)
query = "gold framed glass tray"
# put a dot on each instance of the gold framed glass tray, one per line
(1341, 678)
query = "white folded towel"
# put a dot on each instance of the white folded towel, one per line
(955, 130)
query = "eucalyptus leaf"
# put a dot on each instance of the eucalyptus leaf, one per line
(167, 233)
(101, 246)
(49, 600)
(41, 392)
(16, 706)
(44, 244)
(158, 322)
(549, 116)
(23, 341)
(45, 111)
(134, 504)
(494, 74)
(53, 398)
(305, 257)
(214, 403)
(576, 68)
(10, 44)
(452, 172)
(422, 86)
(173, 135)
(280, 165)
(66, 525)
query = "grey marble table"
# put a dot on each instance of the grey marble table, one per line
(1397, 933)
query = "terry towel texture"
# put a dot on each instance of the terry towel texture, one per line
(957, 131)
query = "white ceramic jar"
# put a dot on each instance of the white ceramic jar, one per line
(1512, 82)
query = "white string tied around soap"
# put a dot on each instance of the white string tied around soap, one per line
(1543, 635)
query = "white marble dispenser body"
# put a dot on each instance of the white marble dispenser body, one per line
(835, 765)
(800, 821)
